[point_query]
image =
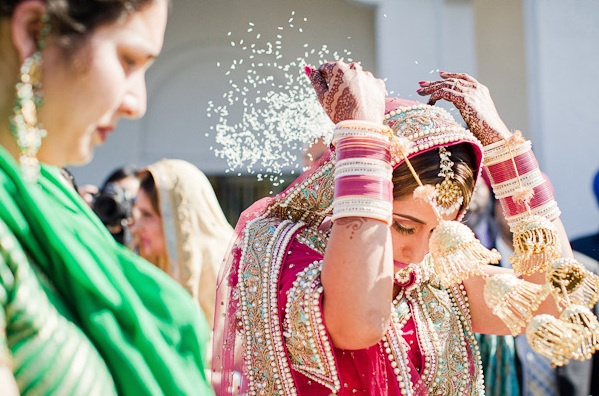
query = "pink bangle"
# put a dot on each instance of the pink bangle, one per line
(364, 186)
(550, 211)
(378, 153)
(504, 171)
(355, 147)
(542, 195)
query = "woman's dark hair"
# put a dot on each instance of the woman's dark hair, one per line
(427, 165)
(71, 20)
(148, 185)
(119, 174)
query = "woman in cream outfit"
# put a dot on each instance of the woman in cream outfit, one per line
(180, 227)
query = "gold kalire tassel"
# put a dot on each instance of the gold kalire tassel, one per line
(589, 329)
(580, 286)
(456, 254)
(557, 340)
(535, 245)
(514, 300)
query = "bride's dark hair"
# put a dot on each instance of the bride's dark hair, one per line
(427, 165)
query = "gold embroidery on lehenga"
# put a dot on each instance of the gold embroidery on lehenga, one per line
(309, 202)
(264, 246)
(314, 239)
(447, 344)
(441, 315)
(266, 363)
(308, 344)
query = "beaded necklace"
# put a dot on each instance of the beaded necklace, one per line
(447, 343)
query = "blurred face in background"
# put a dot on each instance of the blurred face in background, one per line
(147, 228)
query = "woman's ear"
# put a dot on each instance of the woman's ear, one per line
(27, 22)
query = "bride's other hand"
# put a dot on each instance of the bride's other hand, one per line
(473, 101)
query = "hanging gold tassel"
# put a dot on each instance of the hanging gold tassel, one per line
(513, 300)
(523, 195)
(589, 329)
(456, 254)
(581, 285)
(556, 340)
(535, 245)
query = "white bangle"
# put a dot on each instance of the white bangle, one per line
(363, 166)
(499, 152)
(362, 207)
(508, 188)
(549, 210)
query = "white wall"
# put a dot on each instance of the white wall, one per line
(185, 76)
(562, 44)
(416, 37)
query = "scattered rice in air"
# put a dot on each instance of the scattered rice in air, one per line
(270, 111)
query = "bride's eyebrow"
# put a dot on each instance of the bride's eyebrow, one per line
(410, 218)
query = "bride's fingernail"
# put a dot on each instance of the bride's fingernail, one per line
(420, 90)
(421, 82)
(308, 70)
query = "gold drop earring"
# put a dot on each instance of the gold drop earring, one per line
(24, 124)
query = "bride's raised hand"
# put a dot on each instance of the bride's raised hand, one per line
(347, 92)
(473, 101)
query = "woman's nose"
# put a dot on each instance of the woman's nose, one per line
(134, 103)
(132, 107)
(421, 251)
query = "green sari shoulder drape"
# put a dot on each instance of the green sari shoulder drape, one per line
(148, 330)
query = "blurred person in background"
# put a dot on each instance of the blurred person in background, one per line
(179, 226)
(589, 244)
(586, 249)
(88, 192)
(81, 314)
(114, 202)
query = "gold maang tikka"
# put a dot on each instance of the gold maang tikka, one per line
(448, 195)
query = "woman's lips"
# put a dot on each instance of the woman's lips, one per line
(103, 132)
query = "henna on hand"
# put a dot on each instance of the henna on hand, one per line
(347, 92)
(473, 101)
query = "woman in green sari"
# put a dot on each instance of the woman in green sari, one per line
(80, 314)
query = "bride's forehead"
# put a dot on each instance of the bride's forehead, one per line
(413, 207)
(409, 206)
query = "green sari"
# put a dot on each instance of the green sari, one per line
(146, 328)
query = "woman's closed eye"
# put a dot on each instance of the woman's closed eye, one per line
(403, 230)
(133, 61)
(129, 63)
